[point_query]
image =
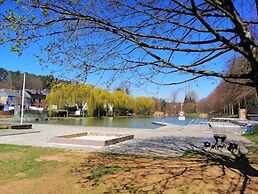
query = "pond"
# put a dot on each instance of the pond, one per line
(131, 122)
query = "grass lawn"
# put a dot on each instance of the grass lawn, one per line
(20, 162)
(254, 138)
(25, 169)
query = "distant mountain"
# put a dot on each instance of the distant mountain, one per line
(14, 80)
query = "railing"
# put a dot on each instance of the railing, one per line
(226, 127)
(31, 115)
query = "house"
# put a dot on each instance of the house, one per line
(27, 99)
(38, 98)
(32, 99)
(8, 99)
(45, 92)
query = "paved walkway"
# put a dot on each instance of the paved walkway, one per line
(170, 140)
(9, 132)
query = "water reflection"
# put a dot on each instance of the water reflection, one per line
(120, 122)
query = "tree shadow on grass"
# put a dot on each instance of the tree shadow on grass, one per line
(198, 169)
(238, 163)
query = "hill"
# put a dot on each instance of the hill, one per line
(14, 80)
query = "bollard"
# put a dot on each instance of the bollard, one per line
(249, 128)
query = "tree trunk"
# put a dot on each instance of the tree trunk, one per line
(256, 92)
(82, 112)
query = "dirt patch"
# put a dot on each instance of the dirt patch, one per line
(143, 175)
(20, 175)
(52, 158)
(57, 181)
(10, 155)
(65, 157)
(79, 172)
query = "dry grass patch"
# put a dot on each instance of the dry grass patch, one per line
(109, 173)
(10, 155)
(30, 170)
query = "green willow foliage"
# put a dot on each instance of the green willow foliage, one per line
(99, 102)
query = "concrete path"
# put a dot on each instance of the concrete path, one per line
(8, 132)
(170, 140)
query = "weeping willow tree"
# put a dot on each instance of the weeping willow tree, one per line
(122, 102)
(69, 94)
(58, 96)
(98, 101)
(143, 105)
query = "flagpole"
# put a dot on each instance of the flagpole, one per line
(23, 94)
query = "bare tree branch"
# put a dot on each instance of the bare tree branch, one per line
(147, 37)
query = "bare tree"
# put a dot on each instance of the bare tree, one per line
(174, 96)
(192, 96)
(153, 40)
(3, 75)
(174, 106)
(190, 102)
(124, 87)
(228, 98)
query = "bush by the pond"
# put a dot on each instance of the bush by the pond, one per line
(3, 126)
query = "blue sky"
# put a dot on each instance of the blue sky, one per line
(27, 62)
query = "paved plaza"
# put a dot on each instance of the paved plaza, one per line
(170, 140)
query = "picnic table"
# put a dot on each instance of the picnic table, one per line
(220, 143)
(219, 140)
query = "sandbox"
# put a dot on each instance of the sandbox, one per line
(91, 139)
